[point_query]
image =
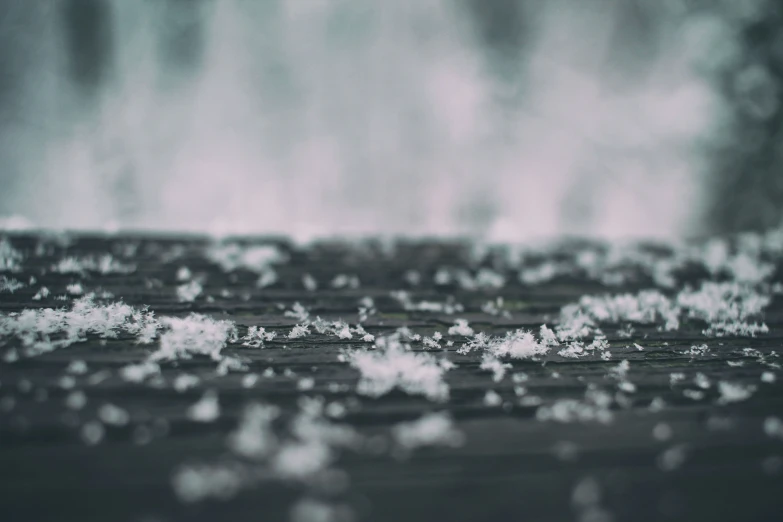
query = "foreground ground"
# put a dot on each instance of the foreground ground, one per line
(374, 397)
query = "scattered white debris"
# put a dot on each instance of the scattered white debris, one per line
(393, 365)
(105, 264)
(35, 328)
(662, 432)
(254, 437)
(10, 285)
(314, 510)
(113, 415)
(431, 429)
(702, 381)
(298, 331)
(77, 367)
(183, 274)
(595, 407)
(733, 392)
(492, 399)
(185, 381)
(345, 281)
(298, 312)
(230, 364)
(92, 432)
(695, 395)
(195, 334)
(42, 293)
(520, 344)
(305, 384)
(139, 372)
(698, 351)
(207, 409)
(75, 289)
(267, 278)
(726, 307)
(76, 400)
(461, 328)
(309, 282)
(249, 380)
(194, 483)
(188, 292)
(773, 427)
(10, 258)
(498, 369)
(676, 377)
(542, 273)
(254, 258)
(672, 458)
(256, 336)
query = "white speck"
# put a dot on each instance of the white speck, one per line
(183, 274)
(74, 289)
(491, 398)
(657, 404)
(565, 450)
(393, 365)
(768, 377)
(298, 331)
(309, 282)
(76, 400)
(695, 395)
(207, 409)
(185, 381)
(773, 427)
(42, 293)
(662, 432)
(461, 328)
(336, 410)
(188, 292)
(431, 429)
(92, 432)
(113, 415)
(587, 492)
(305, 384)
(732, 392)
(249, 380)
(672, 458)
(77, 367)
(312, 510)
(194, 334)
(194, 483)
(139, 372)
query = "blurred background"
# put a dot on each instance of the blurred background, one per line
(502, 119)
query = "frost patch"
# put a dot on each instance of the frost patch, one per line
(195, 334)
(10, 285)
(393, 365)
(47, 329)
(105, 264)
(431, 429)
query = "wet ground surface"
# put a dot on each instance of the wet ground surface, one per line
(666, 453)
